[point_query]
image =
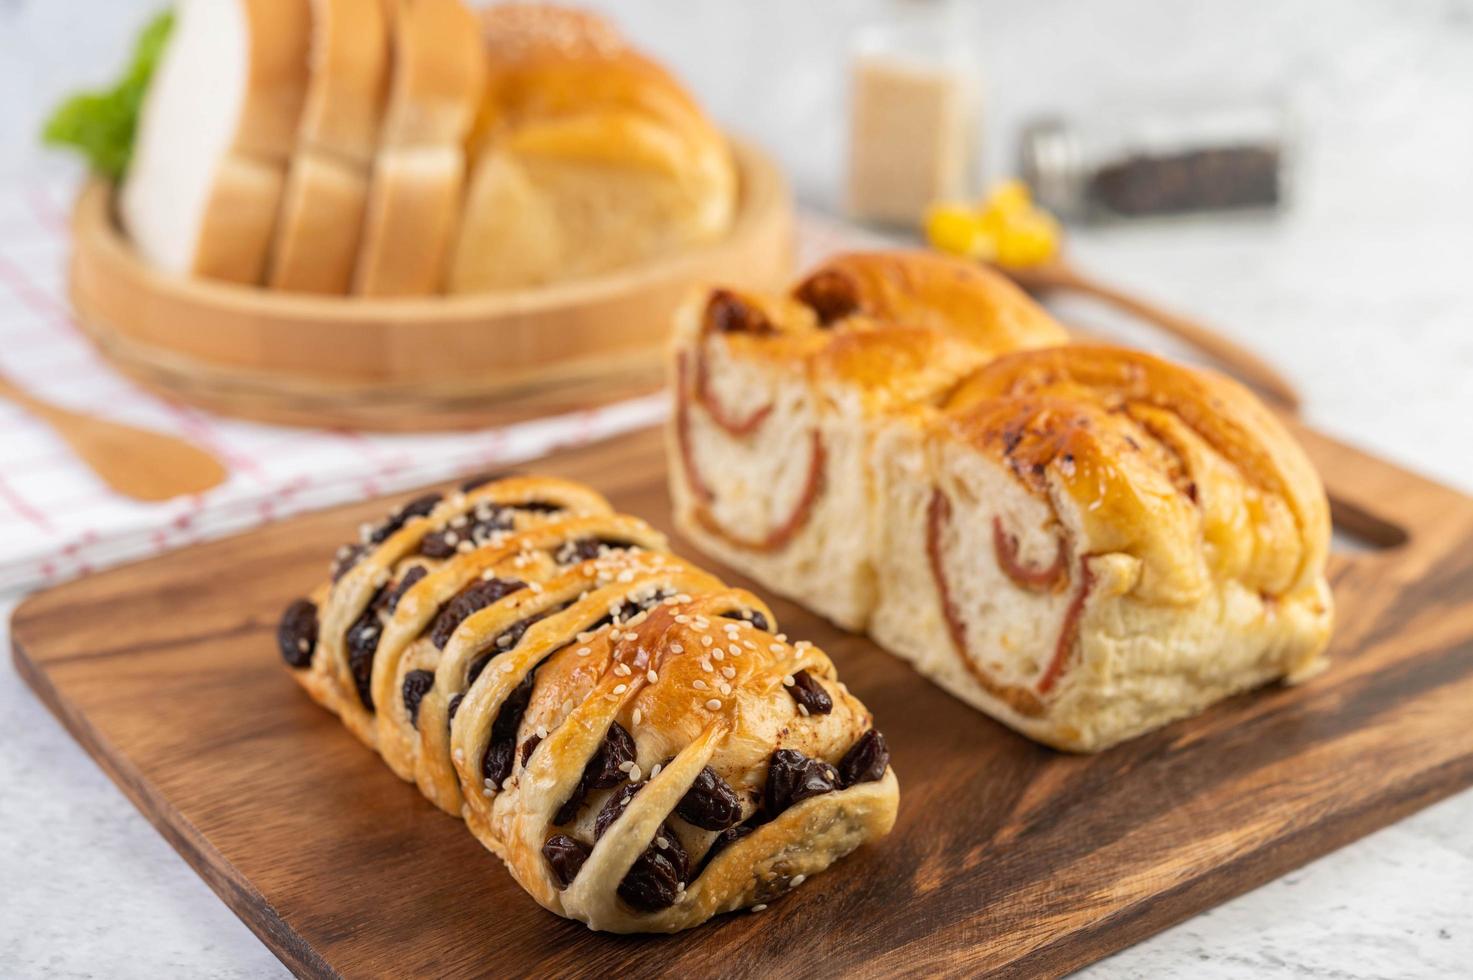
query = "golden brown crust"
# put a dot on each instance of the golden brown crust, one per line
(586, 156)
(415, 194)
(496, 670)
(925, 289)
(279, 34)
(1120, 428)
(1085, 542)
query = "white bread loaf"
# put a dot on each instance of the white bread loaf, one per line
(1084, 542)
(414, 196)
(216, 129)
(320, 228)
(587, 157)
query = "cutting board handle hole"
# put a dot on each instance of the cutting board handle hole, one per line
(1358, 530)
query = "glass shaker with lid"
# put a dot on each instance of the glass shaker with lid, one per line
(1137, 162)
(915, 94)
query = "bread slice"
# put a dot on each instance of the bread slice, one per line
(320, 228)
(216, 130)
(414, 196)
(1084, 542)
(587, 157)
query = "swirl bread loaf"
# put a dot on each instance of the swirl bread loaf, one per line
(628, 734)
(1083, 542)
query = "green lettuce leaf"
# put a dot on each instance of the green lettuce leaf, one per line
(100, 124)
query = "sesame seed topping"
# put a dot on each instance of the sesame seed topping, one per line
(651, 676)
(676, 648)
(759, 907)
(798, 880)
(698, 684)
(803, 710)
(748, 644)
(661, 843)
(634, 774)
(682, 619)
(788, 680)
(655, 769)
(706, 666)
(584, 651)
(637, 715)
(541, 731)
(626, 766)
(724, 687)
(459, 755)
(775, 647)
(614, 634)
(622, 670)
(714, 704)
(728, 672)
(620, 688)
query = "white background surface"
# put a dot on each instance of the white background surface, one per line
(1363, 293)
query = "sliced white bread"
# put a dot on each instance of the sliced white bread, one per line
(414, 196)
(320, 228)
(217, 128)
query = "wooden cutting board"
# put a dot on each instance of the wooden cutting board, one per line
(1007, 856)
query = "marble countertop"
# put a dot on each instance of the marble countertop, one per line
(1361, 292)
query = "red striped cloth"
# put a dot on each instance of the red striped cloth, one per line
(58, 521)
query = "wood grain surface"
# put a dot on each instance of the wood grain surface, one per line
(1007, 856)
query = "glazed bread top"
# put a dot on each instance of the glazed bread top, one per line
(1182, 469)
(924, 289)
(899, 328)
(586, 157)
(563, 83)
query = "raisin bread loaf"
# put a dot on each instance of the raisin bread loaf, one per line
(626, 732)
(1083, 542)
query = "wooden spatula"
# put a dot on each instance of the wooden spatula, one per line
(136, 463)
(1059, 275)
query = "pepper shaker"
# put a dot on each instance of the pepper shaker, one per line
(1143, 161)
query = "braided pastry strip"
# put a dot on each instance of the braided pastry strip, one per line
(626, 732)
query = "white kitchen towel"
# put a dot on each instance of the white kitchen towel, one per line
(58, 521)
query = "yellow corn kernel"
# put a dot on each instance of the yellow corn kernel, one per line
(1009, 197)
(1029, 240)
(956, 228)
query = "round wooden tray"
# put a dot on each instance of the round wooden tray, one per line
(411, 364)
